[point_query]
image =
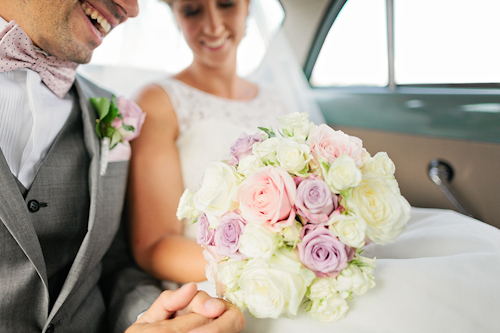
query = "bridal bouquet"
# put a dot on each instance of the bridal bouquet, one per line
(285, 218)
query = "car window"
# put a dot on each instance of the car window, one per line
(435, 42)
(355, 50)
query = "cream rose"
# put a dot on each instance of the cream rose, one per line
(296, 125)
(186, 209)
(249, 165)
(275, 287)
(355, 280)
(329, 310)
(265, 151)
(292, 156)
(342, 174)
(323, 288)
(291, 234)
(380, 164)
(229, 273)
(377, 201)
(215, 195)
(258, 242)
(350, 229)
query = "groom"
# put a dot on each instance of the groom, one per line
(64, 263)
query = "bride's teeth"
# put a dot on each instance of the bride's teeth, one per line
(99, 19)
(88, 11)
(94, 14)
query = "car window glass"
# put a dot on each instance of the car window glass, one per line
(355, 50)
(446, 41)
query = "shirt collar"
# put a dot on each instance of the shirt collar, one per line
(3, 23)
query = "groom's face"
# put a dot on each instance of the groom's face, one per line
(69, 29)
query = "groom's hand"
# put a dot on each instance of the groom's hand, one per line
(186, 310)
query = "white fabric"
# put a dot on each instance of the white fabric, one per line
(441, 275)
(208, 125)
(31, 117)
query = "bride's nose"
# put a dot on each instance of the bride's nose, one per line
(213, 24)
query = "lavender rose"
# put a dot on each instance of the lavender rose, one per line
(314, 201)
(323, 253)
(205, 235)
(243, 147)
(228, 235)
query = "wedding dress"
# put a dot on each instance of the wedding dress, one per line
(441, 275)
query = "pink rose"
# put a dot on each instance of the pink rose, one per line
(205, 236)
(132, 116)
(228, 234)
(329, 144)
(323, 253)
(243, 147)
(267, 197)
(314, 201)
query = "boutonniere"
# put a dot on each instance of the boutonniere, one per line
(119, 120)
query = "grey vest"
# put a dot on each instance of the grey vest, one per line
(58, 201)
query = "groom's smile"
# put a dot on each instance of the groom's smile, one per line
(69, 29)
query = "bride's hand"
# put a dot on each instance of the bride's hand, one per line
(187, 309)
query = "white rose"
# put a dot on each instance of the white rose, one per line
(249, 164)
(291, 234)
(350, 229)
(186, 209)
(292, 156)
(365, 156)
(219, 182)
(229, 273)
(380, 164)
(275, 287)
(377, 201)
(329, 310)
(265, 151)
(353, 279)
(237, 298)
(366, 265)
(323, 288)
(296, 125)
(258, 242)
(342, 174)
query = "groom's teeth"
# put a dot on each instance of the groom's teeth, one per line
(94, 14)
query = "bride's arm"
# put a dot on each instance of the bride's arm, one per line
(154, 188)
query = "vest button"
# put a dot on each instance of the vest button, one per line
(50, 329)
(33, 206)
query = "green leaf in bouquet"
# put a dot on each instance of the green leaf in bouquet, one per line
(269, 131)
(346, 194)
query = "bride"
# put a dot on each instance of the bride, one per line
(439, 276)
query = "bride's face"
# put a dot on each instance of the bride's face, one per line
(212, 28)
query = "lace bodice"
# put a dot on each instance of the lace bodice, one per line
(208, 125)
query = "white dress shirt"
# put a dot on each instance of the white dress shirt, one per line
(31, 117)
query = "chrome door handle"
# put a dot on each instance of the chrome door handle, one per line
(441, 174)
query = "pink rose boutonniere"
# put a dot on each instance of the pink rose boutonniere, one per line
(119, 121)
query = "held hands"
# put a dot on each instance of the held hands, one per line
(189, 310)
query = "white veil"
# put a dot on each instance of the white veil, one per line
(150, 46)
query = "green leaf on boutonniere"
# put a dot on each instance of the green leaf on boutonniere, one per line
(115, 138)
(101, 105)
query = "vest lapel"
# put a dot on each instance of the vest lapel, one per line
(92, 145)
(16, 218)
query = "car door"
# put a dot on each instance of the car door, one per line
(419, 80)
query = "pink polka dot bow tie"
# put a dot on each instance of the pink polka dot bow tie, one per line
(17, 51)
